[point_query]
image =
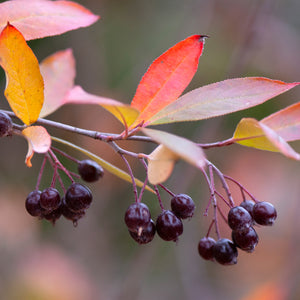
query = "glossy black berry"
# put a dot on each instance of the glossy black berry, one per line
(6, 124)
(50, 199)
(137, 217)
(78, 197)
(89, 170)
(205, 248)
(264, 213)
(168, 226)
(225, 252)
(32, 204)
(239, 218)
(248, 205)
(246, 239)
(71, 215)
(146, 235)
(183, 206)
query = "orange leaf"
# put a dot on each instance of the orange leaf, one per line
(25, 87)
(167, 77)
(38, 139)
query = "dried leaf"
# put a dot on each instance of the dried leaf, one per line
(160, 164)
(39, 141)
(181, 147)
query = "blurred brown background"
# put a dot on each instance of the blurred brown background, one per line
(98, 259)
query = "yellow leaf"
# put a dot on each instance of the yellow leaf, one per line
(38, 139)
(24, 83)
(252, 133)
(160, 164)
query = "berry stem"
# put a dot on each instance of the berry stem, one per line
(241, 187)
(132, 177)
(60, 165)
(214, 201)
(223, 181)
(145, 182)
(158, 197)
(41, 173)
(210, 227)
(167, 190)
(106, 165)
(65, 155)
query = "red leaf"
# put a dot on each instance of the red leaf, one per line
(38, 19)
(167, 77)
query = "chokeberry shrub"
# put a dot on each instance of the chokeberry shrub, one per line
(35, 90)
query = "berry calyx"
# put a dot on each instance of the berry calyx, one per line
(246, 239)
(50, 199)
(146, 235)
(264, 213)
(168, 226)
(78, 197)
(239, 218)
(69, 214)
(183, 206)
(137, 217)
(32, 204)
(6, 124)
(89, 170)
(53, 216)
(225, 252)
(205, 248)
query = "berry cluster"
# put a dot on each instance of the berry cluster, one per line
(48, 204)
(168, 223)
(241, 220)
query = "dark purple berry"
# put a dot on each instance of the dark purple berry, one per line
(248, 205)
(205, 248)
(53, 216)
(50, 199)
(264, 213)
(245, 239)
(6, 124)
(146, 235)
(71, 215)
(32, 204)
(225, 252)
(168, 226)
(183, 206)
(137, 217)
(78, 197)
(239, 218)
(89, 170)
